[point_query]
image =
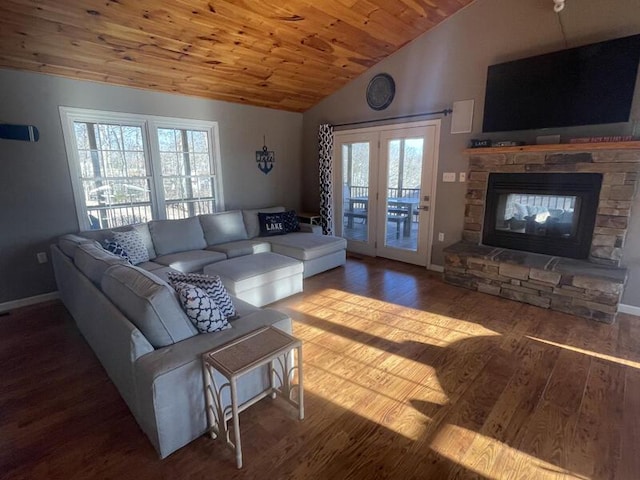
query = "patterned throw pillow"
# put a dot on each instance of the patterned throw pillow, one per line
(201, 309)
(115, 248)
(133, 244)
(271, 224)
(212, 285)
(290, 220)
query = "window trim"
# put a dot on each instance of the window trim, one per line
(149, 125)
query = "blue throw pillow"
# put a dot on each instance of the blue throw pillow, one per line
(291, 223)
(115, 248)
(271, 224)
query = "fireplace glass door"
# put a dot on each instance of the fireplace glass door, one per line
(540, 215)
(551, 213)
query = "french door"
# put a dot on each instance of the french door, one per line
(387, 180)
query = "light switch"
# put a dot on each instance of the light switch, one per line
(463, 176)
(449, 177)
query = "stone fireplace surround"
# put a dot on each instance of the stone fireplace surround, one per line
(589, 288)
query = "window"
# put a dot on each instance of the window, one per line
(187, 179)
(130, 168)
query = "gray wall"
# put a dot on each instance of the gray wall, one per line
(449, 63)
(36, 200)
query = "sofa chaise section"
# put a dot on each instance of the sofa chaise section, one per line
(317, 252)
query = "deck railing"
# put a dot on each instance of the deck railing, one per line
(362, 191)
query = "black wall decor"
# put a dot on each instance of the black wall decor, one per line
(380, 91)
(265, 158)
(25, 133)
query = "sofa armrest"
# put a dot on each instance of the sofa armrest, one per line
(170, 385)
(308, 228)
(157, 363)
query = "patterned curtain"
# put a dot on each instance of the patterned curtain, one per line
(325, 153)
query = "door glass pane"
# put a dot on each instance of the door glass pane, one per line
(355, 191)
(404, 174)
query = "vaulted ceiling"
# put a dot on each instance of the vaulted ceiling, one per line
(286, 54)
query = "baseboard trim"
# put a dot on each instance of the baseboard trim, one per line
(24, 302)
(436, 268)
(630, 309)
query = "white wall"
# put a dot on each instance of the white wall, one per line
(450, 62)
(36, 200)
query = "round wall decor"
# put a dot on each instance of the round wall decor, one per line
(380, 91)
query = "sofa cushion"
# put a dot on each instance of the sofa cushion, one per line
(242, 247)
(248, 272)
(151, 266)
(201, 309)
(133, 244)
(158, 270)
(171, 236)
(93, 260)
(223, 227)
(308, 228)
(210, 284)
(306, 246)
(149, 303)
(69, 242)
(191, 261)
(251, 221)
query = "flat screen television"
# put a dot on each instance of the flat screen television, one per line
(587, 85)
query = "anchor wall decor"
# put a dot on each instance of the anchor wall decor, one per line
(265, 158)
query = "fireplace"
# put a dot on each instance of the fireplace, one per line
(550, 213)
(571, 200)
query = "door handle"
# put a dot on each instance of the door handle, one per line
(425, 208)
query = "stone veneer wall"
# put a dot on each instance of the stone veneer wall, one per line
(591, 289)
(619, 167)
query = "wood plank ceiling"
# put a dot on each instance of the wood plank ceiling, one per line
(286, 54)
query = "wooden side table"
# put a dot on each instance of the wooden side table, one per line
(312, 218)
(264, 346)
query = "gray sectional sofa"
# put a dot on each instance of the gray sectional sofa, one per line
(133, 321)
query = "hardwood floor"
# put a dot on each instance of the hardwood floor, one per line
(406, 377)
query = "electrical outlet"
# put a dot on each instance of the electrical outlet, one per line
(463, 177)
(42, 257)
(441, 237)
(449, 177)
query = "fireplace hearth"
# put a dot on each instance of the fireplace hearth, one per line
(552, 213)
